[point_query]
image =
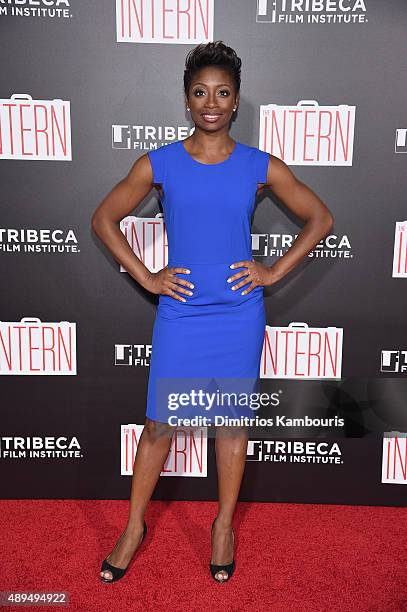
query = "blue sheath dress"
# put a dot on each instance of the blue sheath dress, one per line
(216, 332)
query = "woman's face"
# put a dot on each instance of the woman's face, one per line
(212, 98)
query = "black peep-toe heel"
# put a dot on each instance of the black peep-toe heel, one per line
(218, 568)
(118, 572)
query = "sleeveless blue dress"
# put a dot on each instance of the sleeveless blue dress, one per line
(216, 333)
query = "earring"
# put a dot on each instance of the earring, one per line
(188, 108)
(234, 108)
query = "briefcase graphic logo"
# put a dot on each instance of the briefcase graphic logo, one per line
(170, 22)
(302, 352)
(32, 347)
(308, 134)
(147, 238)
(400, 250)
(187, 455)
(394, 458)
(35, 129)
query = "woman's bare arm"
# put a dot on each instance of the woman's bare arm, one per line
(119, 203)
(306, 205)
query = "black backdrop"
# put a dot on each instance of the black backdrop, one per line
(82, 97)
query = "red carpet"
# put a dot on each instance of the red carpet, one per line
(289, 557)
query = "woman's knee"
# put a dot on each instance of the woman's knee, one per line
(156, 430)
(232, 432)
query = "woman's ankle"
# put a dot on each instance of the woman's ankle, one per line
(135, 526)
(224, 522)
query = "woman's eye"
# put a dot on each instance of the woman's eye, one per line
(222, 91)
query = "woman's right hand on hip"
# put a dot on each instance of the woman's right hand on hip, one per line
(166, 283)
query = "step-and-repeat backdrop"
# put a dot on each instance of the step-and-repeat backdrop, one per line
(86, 88)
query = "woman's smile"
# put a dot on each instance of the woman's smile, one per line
(211, 117)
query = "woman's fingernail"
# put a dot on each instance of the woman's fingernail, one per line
(229, 280)
(232, 266)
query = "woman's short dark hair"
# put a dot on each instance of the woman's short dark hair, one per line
(212, 54)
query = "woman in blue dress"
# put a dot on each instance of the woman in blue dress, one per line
(210, 320)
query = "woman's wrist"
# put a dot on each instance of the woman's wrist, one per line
(273, 275)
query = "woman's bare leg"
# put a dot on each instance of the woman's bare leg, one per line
(152, 451)
(231, 449)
